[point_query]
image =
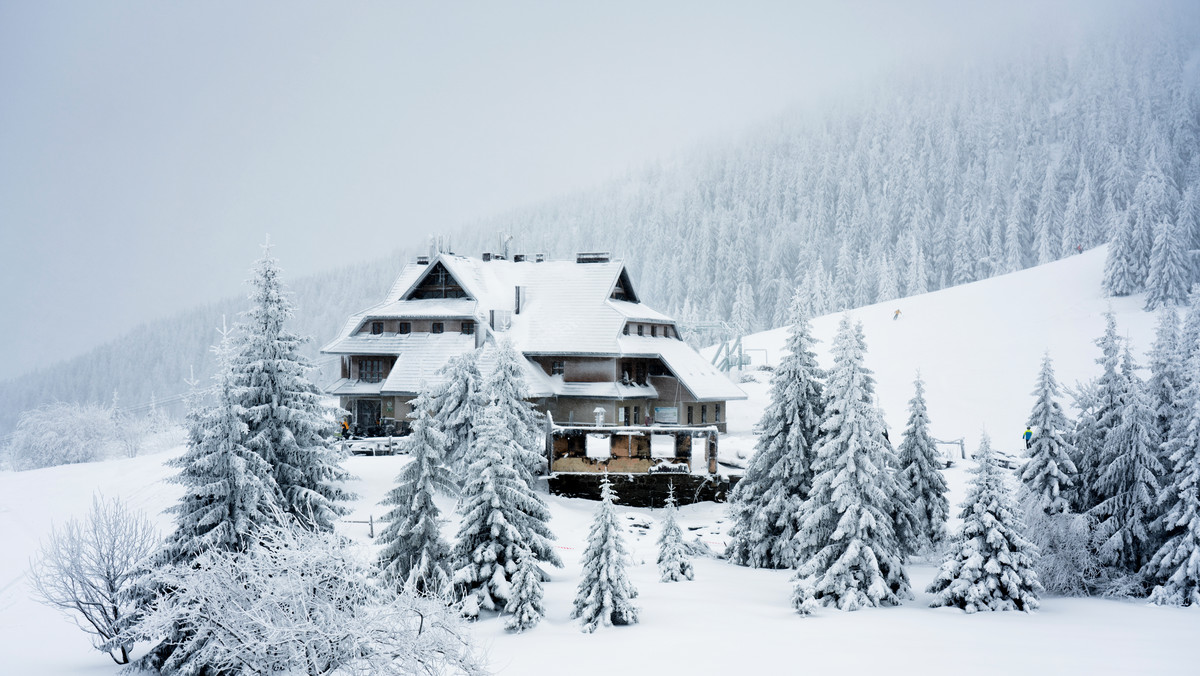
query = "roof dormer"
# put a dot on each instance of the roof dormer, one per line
(623, 289)
(437, 282)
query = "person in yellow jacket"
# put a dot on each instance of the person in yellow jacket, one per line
(345, 428)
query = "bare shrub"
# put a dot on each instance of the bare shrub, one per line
(84, 566)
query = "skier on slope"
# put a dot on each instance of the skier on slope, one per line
(897, 315)
(1028, 437)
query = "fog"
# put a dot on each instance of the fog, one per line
(146, 148)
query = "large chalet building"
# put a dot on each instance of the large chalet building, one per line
(596, 358)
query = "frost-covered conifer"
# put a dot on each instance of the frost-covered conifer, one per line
(1122, 273)
(500, 515)
(287, 424)
(505, 388)
(851, 558)
(1166, 383)
(605, 594)
(1107, 400)
(766, 503)
(990, 564)
(228, 489)
(1129, 481)
(921, 478)
(1048, 473)
(1176, 564)
(673, 561)
(525, 607)
(456, 404)
(414, 554)
(1170, 271)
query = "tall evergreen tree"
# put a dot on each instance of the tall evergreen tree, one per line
(1129, 481)
(1176, 564)
(287, 424)
(1108, 405)
(765, 504)
(921, 478)
(673, 563)
(505, 389)
(1170, 272)
(1048, 473)
(605, 593)
(1166, 385)
(414, 554)
(851, 558)
(990, 564)
(1122, 274)
(456, 404)
(500, 515)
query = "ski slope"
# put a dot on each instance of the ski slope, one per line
(978, 346)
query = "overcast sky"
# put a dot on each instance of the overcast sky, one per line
(146, 147)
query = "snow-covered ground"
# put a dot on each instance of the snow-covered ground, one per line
(977, 346)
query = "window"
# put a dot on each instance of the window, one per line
(376, 328)
(468, 328)
(640, 371)
(703, 413)
(653, 331)
(405, 328)
(558, 368)
(437, 327)
(636, 416)
(641, 330)
(716, 413)
(689, 415)
(370, 370)
(625, 329)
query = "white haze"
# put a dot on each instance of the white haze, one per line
(146, 147)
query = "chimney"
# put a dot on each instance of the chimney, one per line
(539, 258)
(487, 257)
(422, 260)
(519, 258)
(593, 257)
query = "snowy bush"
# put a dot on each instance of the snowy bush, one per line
(85, 566)
(300, 602)
(61, 434)
(1067, 564)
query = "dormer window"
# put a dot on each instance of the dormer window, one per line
(558, 368)
(437, 327)
(468, 328)
(625, 329)
(641, 330)
(405, 328)
(376, 328)
(653, 331)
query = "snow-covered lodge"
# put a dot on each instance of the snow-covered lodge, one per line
(593, 353)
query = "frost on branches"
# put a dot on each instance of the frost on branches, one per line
(990, 565)
(921, 477)
(1049, 473)
(674, 564)
(299, 602)
(766, 503)
(414, 554)
(287, 425)
(456, 405)
(500, 515)
(852, 559)
(605, 593)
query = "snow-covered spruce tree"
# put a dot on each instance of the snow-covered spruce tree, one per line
(525, 608)
(921, 477)
(456, 404)
(1122, 273)
(605, 593)
(1129, 481)
(674, 564)
(851, 558)
(1176, 564)
(766, 503)
(505, 388)
(990, 563)
(414, 553)
(229, 494)
(500, 515)
(1049, 473)
(1084, 438)
(1166, 384)
(1170, 271)
(287, 425)
(1107, 406)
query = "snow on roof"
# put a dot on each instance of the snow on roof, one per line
(702, 379)
(605, 390)
(347, 386)
(566, 308)
(419, 358)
